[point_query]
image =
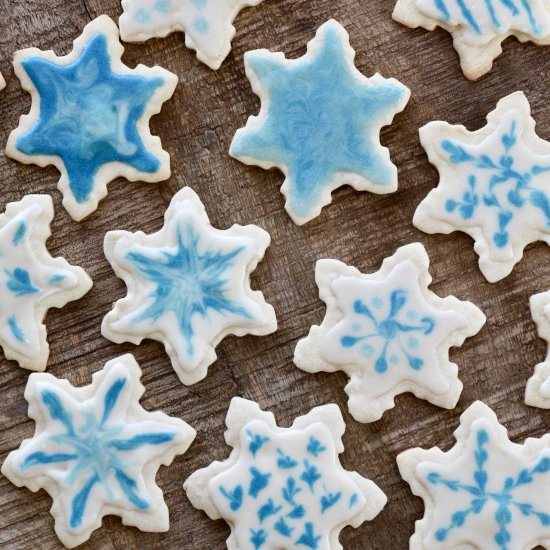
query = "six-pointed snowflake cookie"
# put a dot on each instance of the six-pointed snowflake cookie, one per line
(486, 493)
(207, 24)
(188, 286)
(479, 27)
(537, 393)
(90, 116)
(284, 488)
(96, 451)
(31, 281)
(494, 185)
(320, 122)
(388, 332)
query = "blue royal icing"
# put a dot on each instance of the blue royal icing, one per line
(89, 114)
(319, 122)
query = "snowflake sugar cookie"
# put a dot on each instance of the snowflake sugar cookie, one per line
(284, 488)
(31, 281)
(207, 24)
(479, 27)
(389, 332)
(537, 393)
(96, 451)
(188, 286)
(494, 185)
(486, 493)
(320, 122)
(90, 116)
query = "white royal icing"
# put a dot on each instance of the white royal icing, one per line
(486, 493)
(479, 27)
(284, 487)
(31, 281)
(96, 451)
(388, 332)
(537, 393)
(207, 24)
(188, 286)
(493, 185)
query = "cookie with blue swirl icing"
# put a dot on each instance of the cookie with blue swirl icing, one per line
(96, 451)
(90, 116)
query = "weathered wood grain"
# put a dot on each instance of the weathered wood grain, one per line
(196, 127)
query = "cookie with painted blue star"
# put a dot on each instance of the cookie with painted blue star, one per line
(320, 122)
(96, 451)
(479, 27)
(284, 488)
(485, 493)
(207, 24)
(188, 286)
(90, 116)
(31, 281)
(389, 332)
(494, 185)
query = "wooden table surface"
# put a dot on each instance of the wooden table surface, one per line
(361, 229)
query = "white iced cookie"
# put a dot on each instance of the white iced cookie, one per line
(284, 488)
(2, 82)
(537, 393)
(479, 27)
(320, 122)
(31, 281)
(494, 185)
(207, 24)
(90, 116)
(188, 286)
(388, 332)
(486, 493)
(96, 451)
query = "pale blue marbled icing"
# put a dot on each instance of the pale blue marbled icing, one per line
(321, 122)
(88, 116)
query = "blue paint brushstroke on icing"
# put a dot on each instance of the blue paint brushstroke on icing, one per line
(97, 451)
(235, 497)
(19, 282)
(320, 123)
(387, 331)
(481, 497)
(16, 330)
(19, 233)
(188, 283)
(88, 116)
(493, 10)
(54, 279)
(501, 172)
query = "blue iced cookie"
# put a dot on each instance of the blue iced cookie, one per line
(320, 122)
(90, 116)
